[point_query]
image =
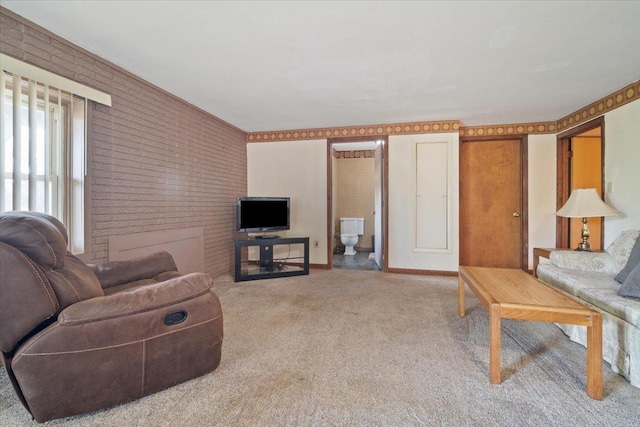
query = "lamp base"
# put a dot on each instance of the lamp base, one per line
(584, 245)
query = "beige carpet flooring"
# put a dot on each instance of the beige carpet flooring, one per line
(347, 347)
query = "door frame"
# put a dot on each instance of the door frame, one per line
(524, 187)
(385, 194)
(563, 175)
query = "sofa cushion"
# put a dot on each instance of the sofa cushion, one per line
(631, 286)
(598, 262)
(597, 289)
(621, 248)
(608, 300)
(632, 262)
(574, 281)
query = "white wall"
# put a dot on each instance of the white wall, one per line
(622, 163)
(542, 202)
(542, 192)
(296, 169)
(402, 205)
(622, 168)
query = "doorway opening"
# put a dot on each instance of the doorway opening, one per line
(356, 194)
(580, 165)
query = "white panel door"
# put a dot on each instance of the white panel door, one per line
(431, 198)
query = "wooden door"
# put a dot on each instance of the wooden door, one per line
(586, 172)
(491, 202)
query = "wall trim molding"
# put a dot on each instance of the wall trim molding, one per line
(405, 129)
(509, 129)
(610, 102)
(320, 266)
(422, 272)
(356, 131)
(357, 154)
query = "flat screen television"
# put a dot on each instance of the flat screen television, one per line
(258, 214)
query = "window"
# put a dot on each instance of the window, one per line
(43, 154)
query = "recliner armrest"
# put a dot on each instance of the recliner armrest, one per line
(114, 273)
(597, 262)
(112, 349)
(145, 298)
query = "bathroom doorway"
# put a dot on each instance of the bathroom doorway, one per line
(356, 183)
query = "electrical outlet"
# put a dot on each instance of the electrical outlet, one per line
(609, 187)
(316, 243)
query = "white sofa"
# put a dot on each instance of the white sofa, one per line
(589, 276)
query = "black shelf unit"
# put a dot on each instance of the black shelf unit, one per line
(265, 267)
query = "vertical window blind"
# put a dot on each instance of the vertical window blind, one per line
(43, 147)
(28, 122)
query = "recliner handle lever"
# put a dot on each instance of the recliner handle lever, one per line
(175, 317)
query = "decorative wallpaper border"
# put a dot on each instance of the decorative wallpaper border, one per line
(356, 131)
(357, 154)
(610, 102)
(509, 129)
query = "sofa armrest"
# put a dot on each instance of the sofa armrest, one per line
(114, 273)
(143, 299)
(598, 262)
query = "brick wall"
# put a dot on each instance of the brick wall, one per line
(156, 162)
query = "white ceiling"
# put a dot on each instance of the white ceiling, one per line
(263, 65)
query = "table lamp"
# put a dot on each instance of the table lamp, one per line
(585, 203)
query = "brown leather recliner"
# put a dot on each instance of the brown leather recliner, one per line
(77, 338)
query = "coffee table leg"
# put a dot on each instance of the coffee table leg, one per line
(594, 357)
(494, 344)
(461, 311)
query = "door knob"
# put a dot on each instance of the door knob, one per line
(516, 214)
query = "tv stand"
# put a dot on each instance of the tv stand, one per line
(265, 267)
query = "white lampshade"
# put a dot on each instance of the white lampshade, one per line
(585, 203)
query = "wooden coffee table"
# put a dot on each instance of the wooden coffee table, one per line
(513, 294)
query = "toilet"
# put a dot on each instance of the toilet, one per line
(350, 229)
